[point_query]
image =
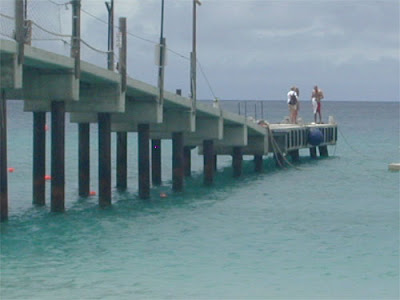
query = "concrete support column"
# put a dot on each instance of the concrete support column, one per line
(122, 160)
(323, 151)
(294, 154)
(156, 161)
(258, 163)
(237, 159)
(208, 161)
(177, 161)
(3, 159)
(104, 120)
(57, 156)
(144, 160)
(313, 152)
(187, 160)
(39, 158)
(84, 159)
(215, 162)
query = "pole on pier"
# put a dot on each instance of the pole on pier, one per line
(144, 160)
(122, 160)
(258, 163)
(187, 160)
(313, 152)
(3, 159)
(84, 159)
(323, 151)
(39, 158)
(104, 120)
(76, 36)
(294, 154)
(208, 161)
(177, 161)
(156, 161)
(110, 54)
(57, 156)
(19, 29)
(237, 159)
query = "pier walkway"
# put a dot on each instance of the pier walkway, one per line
(49, 82)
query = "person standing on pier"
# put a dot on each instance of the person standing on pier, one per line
(293, 103)
(316, 96)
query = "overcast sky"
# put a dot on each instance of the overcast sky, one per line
(258, 49)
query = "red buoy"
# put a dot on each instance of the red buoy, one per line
(47, 177)
(11, 169)
(163, 195)
(92, 193)
(46, 127)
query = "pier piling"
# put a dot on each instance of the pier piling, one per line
(323, 151)
(294, 154)
(144, 160)
(84, 159)
(177, 161)
(39, 158)
(187, 160)
(3, 159)
(104, 120)
(57, 156)
(258, 163)
(313, 152)
(156, 161)
(122, 160)
(208, 161)
(237, 159)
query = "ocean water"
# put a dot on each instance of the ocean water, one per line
(328, 229)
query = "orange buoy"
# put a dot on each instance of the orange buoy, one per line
(163, 195)
(92, 193)
(47, 177)
(11, 169)
(46, 127)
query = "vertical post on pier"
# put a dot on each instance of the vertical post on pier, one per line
(122, 160)
(187, 160)
(76, 36)
(313, 152)
(84, 159)
(323, 151)
(57, 156)
(294, 154)
(122, 137)
(237, 159)
(144, 160)
(110, 54)
(3, 159)
(208, 161)
(156, 161)
(104, 120)
(39, 157)
(177, 161)
(258, 163)
(19, 29)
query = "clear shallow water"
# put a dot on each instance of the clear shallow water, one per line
(329, 230)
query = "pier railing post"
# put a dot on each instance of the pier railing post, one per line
(144, 160)
(57, 156)
(76, 36)
(39, 157)
(3, 159)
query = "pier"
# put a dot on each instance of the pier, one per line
(51, 83)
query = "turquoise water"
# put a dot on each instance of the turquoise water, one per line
(327, 230)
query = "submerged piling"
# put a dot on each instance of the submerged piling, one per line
(208, 161)
(57, 156)
(39, 158)
(237, 159)
(122, 160)
(177, 161)
(156, 161)
(104, 120)
(144, 160)
(84, 159)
